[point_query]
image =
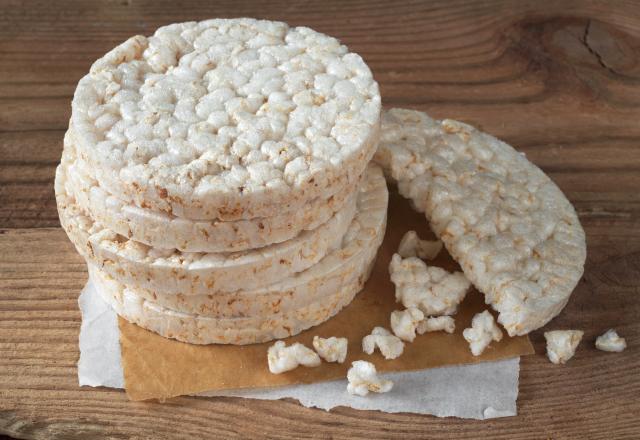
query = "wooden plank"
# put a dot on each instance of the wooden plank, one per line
(559, 80)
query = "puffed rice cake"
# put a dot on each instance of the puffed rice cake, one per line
(172, 271)
(165, 231)
(303, 300)
(320, 280)
(171, 122)
(516, 236)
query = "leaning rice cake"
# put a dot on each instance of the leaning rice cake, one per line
(516, 236)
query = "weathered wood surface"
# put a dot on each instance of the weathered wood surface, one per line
(559, 80)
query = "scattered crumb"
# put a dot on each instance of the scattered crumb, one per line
(561, 344)
(389, 345)
(363, 377)
(610, 341)
(483, 330)
(405, 322)
(282, 358)
(331, 349)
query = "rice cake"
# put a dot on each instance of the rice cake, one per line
(227, 119)
(516, 236)
(335, 270)
(198, 329)
(165, 231)
(295, 304)
(174, 272)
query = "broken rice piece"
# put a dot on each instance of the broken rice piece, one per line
(610, 341)
(431, 289)
(412, 246)
(331, 349)
(405, 322)
(363, 377)
(437, 323)
(282, 358)
(389, 345)
(482, 331)
(561, 344)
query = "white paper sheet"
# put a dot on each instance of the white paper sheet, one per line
(480, 391)
(99, 363)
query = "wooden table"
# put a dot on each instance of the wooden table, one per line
(560, 80)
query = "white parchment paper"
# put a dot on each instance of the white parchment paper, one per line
(480, 391)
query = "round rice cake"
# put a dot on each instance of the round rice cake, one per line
(516, 236)
(161, 230)
(357, 249)
(198, 329)
(227, 119)
(175, 272)
(276, 311)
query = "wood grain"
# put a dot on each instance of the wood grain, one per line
(559, 80)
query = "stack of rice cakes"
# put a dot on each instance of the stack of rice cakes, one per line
(216, 179)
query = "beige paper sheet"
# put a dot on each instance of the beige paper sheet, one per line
(159, 368)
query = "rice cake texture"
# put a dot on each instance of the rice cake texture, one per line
(172, 271)
(227, 118)
(339, 268)
(165, 231)
(514, 233)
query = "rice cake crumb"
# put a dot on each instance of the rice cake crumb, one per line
(404, 323)
(483, 330)
(363, 378)
(331, 349)
(282, 358)
(610, 341)
(431, 289)
(562, 344)
(389, 344)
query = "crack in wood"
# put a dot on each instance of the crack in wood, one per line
(599, 58)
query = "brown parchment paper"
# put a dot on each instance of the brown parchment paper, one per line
(159, 368)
